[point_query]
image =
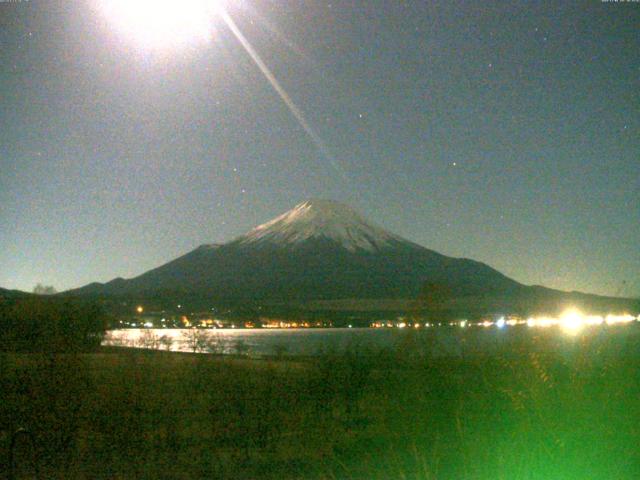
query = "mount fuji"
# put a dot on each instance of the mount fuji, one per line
(320, 251)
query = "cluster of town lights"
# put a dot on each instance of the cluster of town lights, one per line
(571, 320)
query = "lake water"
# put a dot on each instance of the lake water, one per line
(438, 341)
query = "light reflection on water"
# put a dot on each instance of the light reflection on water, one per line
(258, 342)
(445, 341)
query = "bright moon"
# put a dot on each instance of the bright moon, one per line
(158, 24)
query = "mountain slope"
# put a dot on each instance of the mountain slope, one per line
(320, 250)
(317, 250)
(11, 294)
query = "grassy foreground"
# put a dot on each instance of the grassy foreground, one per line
(532, 412)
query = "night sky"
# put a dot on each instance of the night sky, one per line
(505, 132)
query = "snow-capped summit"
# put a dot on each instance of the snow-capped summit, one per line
(327, 219)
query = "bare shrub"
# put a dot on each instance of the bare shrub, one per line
(149, 339)
(214, 344)
(240, 347)
(166, 342)
(195, 339)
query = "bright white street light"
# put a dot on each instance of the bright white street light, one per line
(572, 321)
(157, 24)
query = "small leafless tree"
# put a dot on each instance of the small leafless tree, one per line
(214, 344)
(166, 341)
(195, 339)
(149, 339)
(44, 289)
(240, 347)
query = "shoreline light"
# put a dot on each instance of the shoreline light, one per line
(572, 320)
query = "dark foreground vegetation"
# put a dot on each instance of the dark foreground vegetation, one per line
(45, 324)
(532, 412)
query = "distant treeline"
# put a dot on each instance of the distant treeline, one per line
(37, 324)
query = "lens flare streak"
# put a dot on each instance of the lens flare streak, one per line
(293, 108)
